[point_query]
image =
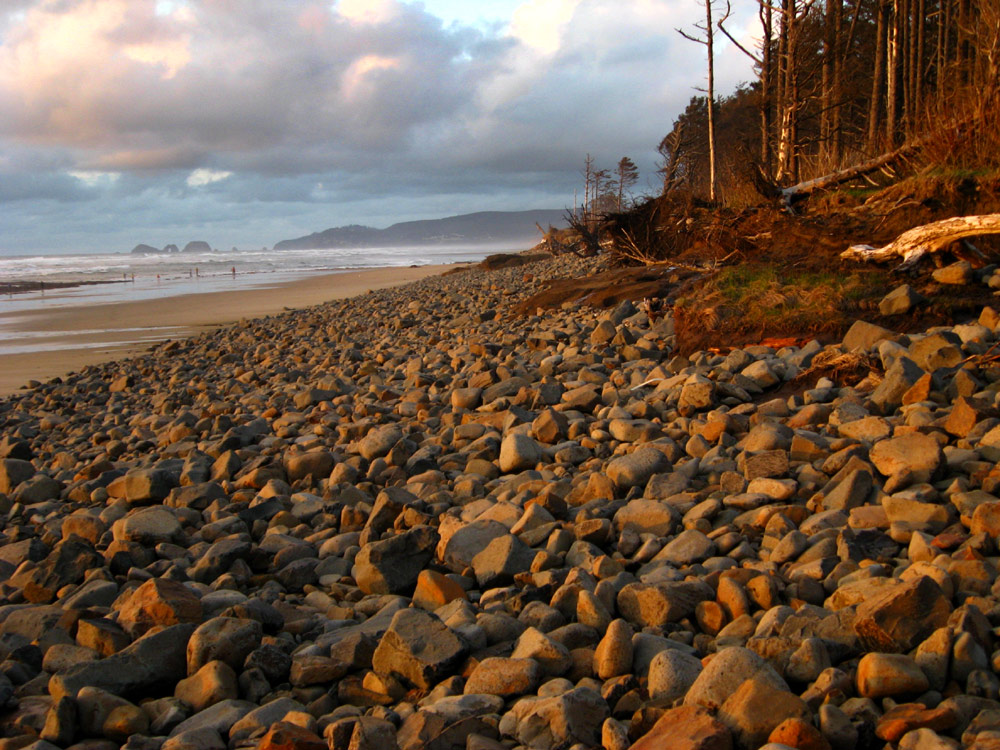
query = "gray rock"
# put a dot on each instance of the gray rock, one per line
(671, 674)
(635, 469)
(154, 662)
(574, 717)
(900, 300)
(392, 566)
(519, 452)
(379, 441)
(727, 670)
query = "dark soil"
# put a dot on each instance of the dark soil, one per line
(693, 240)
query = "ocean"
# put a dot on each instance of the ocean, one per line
(180, 267)
(97, 279)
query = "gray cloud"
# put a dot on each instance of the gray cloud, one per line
(319, 115)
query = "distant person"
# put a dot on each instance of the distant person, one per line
(234, 272)
(196, 271)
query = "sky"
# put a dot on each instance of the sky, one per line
(245, 122)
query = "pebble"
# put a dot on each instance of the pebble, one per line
(418, 518)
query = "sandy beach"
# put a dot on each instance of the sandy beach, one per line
(80, 335)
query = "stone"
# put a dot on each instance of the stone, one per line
(147, 486)
(576, 716)
(519, 452)
(936, 350)
(154, 661)
(881, 675)
(863, 335)
(757, 708)
(671, 674)
(686, 728)
(647, 516)
(148, 526)
(688, 547)
(766, 464)
(902, 375)
(379, 441)
(283, 735)
(908, 717)
(214, 682)
(900, 300)
(417, 648)
(725, 672)
(159, 602)
(506, 677)
(899, 618)
(915, 454)
(14, 471)
(634, 469)
(435, 589)
(697, 394)
(501, 559)
(798, 733)
(959, 273)
(392, 566)
(318, 463)
(613, 655)
(645, 605)
(219, 718)
(552, 656)
(226, 639)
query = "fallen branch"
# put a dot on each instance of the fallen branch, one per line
(801, 190)
(914, 244)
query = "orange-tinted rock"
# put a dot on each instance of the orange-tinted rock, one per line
(757, 708)
(901, 617)
(159, 601)
(881, 675)
(799, 734)
(285, 736)
(686, 728)
(908, 716)
(435, 590)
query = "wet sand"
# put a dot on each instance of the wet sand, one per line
(55, 342)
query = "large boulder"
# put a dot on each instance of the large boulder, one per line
(418, 648)
(154, 662)
(392, 566)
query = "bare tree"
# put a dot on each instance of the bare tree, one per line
(707, 39)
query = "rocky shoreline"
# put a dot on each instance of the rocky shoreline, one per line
(414, 520)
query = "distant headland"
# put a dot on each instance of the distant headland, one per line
(483, 227)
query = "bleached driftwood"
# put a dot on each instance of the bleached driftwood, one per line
(914, 244)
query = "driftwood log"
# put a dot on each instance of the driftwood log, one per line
(803, 189)
(915, 243)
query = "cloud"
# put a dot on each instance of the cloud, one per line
(378, 100)
(200, 177)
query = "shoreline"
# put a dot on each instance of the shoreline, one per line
(66, 339)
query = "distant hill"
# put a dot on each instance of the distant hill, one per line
(471, 229)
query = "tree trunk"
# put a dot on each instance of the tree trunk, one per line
(711, 99)
(912, 245)
(874, 103)
(892, 74)
(766, 86)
